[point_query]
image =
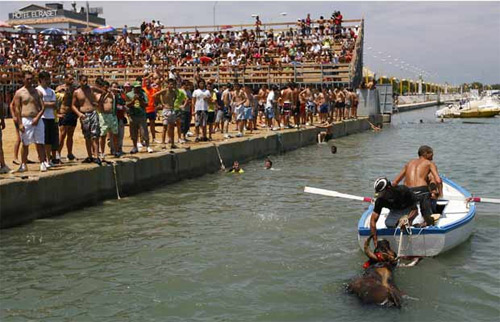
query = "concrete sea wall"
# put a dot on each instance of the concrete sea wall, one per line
(22, 201)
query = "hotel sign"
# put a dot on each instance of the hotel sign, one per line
(34, 14)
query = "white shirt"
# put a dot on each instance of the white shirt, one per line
(48, 96)
(270, 99)
(200, 95)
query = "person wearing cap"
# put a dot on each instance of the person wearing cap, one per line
(137, 102)
(398, 199)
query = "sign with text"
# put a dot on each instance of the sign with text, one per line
(34, 14)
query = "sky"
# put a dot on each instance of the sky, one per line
(453, 42)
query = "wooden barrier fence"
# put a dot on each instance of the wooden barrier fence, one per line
(308, 73)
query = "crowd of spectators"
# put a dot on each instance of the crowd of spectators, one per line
(161, 94)
(152, 46)
(104, 110)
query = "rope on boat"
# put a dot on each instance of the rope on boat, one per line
(403, 222)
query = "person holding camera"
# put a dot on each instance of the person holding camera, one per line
(137, 102)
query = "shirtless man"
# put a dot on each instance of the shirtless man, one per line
(108, 122)
(84, 105)
(323, 108)
(307, 98)
(262, 97)
(29, 108)
(416, 173)
(340, 103)
(249, 103)
(170, 118)
(354, 104)
(239, 99)
(348, 103)
(287, 101)
(67, 119)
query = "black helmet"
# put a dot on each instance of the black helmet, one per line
(381, 184)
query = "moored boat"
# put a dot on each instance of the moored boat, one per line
(453, 227)
(479, 108)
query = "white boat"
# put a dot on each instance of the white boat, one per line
(488, 106)
(453, 227)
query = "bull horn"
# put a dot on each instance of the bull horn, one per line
(368, 251)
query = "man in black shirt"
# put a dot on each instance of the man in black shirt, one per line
(399, 200)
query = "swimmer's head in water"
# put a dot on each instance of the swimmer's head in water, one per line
(333, 149)
(268, 163)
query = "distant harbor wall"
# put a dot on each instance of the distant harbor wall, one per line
(412, 102)
(56, 193)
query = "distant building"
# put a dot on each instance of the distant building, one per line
(53, 15)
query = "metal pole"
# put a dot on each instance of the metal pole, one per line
(214, 13)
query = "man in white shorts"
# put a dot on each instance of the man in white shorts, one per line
(29, 108)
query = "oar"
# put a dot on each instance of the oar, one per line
(473, 199)
(331, 193)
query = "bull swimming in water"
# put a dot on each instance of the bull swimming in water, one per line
(376, 285)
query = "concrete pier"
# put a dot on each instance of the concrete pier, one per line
(24, 200)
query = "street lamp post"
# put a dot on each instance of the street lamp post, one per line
(215, 3)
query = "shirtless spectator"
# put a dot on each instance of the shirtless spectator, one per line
(262, 97)
(308, 97)
(248, 108)
(85, 107)
(67, 118)
(339, 104)
(323, 107)
(108, 122)
(354, 104)
(348, 104)
(287, 101)
(170, 117)
(51, 130)
(416, 173)
(29, 108)
(239, 99)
